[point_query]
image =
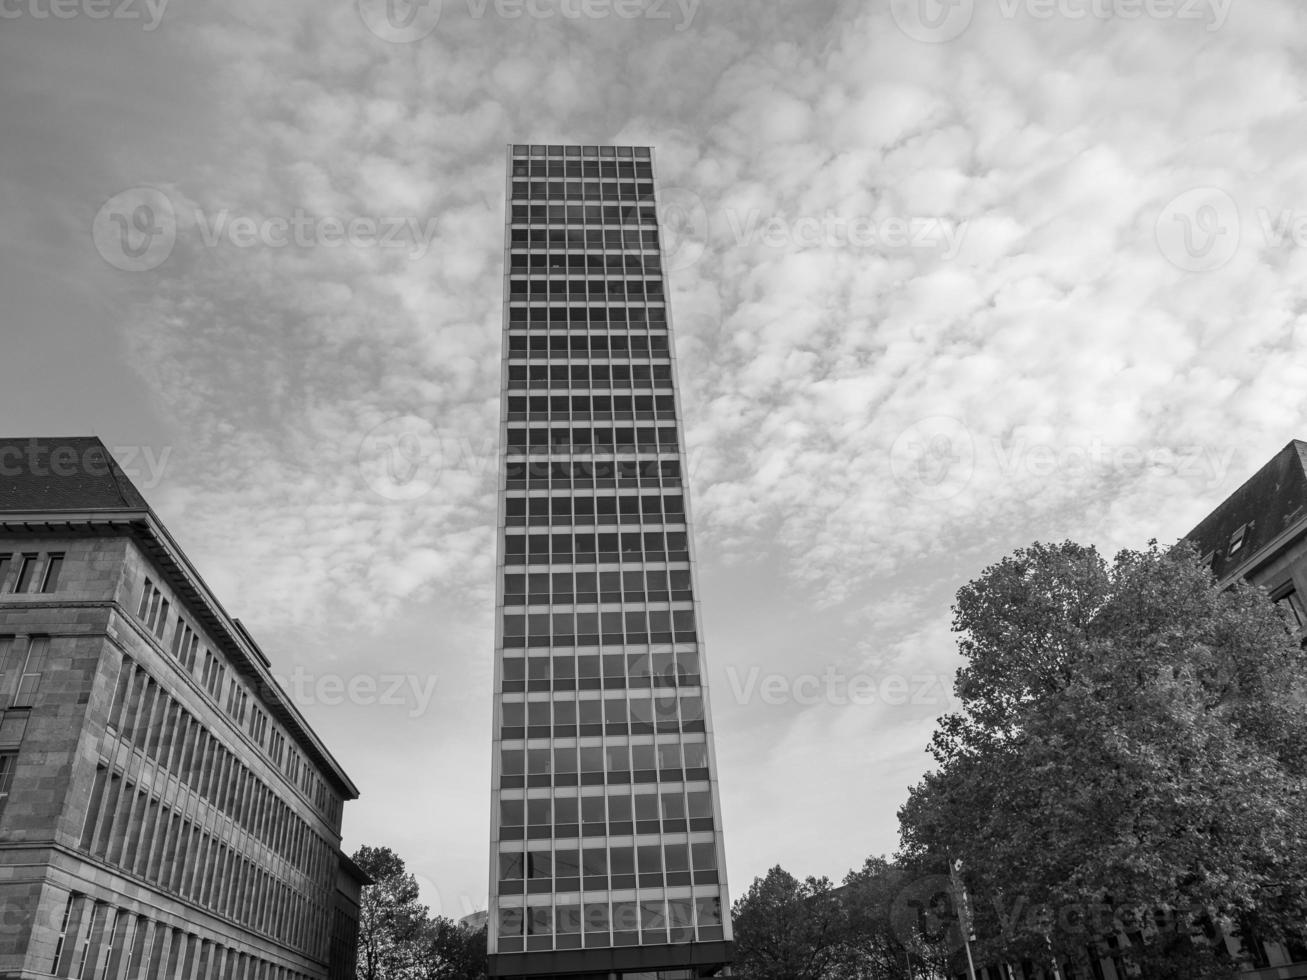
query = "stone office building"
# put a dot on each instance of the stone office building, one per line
(165, 810)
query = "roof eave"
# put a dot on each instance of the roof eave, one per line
(187, 581)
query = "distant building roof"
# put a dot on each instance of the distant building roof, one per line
(72, 473)
(1270, 501)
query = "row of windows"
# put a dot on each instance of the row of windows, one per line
(587, 547)
(590, 375)
(624, 193)
(631, 712)
(128, 827)
(561, 670)
(597, 317)
(605, 263)
(592, 474)
(588, 165)
(628, 196)
(632, 236)
(599, 866)
(98, 941)
(616, 812)
(569, 628)
(155, 611)
(617, 762)
(582, 407)
(601, 924)
(31, 572)
(649, 508)
(538, 150)
(567, 587)
(584, 439)
(586, 346)
(149, 718)
(583, 289)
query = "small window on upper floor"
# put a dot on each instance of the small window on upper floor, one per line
(5, 561)
(13, 726)
(1288, 599)
(26, 572)
(53, 567)
(1237, 539)
(8, 761)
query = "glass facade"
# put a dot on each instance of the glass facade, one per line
(606, 833)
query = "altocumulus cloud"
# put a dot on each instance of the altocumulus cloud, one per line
(852, 400)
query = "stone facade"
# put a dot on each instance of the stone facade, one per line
(165, 811)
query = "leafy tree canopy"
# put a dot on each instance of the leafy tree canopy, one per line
(1131, 740)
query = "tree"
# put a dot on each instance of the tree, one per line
(786, 929)
(392, 922)
(453, 951)
(1130, 756)
(896, 927)
(398, 940)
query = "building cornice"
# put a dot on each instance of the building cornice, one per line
(145, 528)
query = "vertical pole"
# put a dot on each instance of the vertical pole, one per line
(971, 966)
(964, 911)
(1057, 971)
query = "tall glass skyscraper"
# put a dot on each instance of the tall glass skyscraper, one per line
(606, 838)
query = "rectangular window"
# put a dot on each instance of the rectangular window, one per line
(63, 932)
(13, 726)
(1237, 539)
(161, 623)
(26, 572)
(1289, 600)
(5, 561)
(53, 566)
(8, 763)
(30, 676)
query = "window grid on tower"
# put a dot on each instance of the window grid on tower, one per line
(604, 823)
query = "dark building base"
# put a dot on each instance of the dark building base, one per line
(699, 959)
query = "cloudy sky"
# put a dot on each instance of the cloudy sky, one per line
(946, 280)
